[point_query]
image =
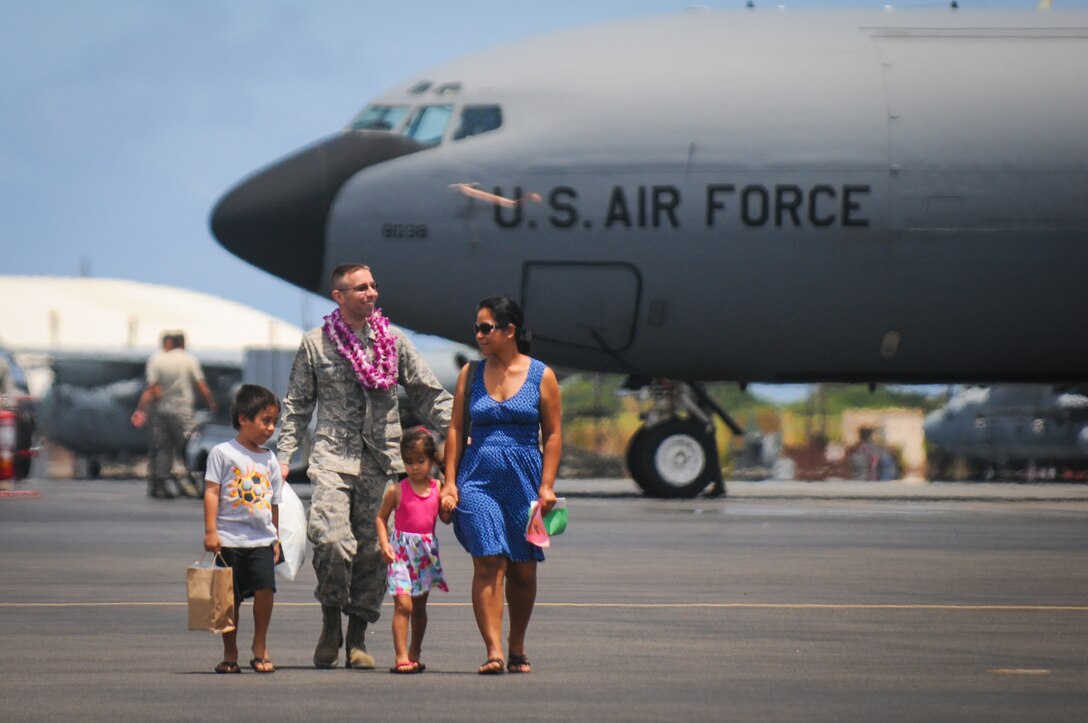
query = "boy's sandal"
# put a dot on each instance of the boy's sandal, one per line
(519, 664)
(408, 667)
(228, 666)
(262, 665)
(493, 666)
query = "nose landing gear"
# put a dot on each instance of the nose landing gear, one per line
(674, 456)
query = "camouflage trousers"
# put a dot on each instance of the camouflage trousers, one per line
(348, 561)
(169, 434)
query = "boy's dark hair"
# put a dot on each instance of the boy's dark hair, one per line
(249, 401)
(418, 437)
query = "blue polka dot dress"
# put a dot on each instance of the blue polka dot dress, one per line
(499, 474)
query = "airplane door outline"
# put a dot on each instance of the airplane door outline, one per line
(593, 304)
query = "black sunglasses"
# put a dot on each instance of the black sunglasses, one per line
(486, 328)
(361, 288)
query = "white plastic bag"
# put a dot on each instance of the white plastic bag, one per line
(292, 533)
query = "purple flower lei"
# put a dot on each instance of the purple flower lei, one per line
(382, 372)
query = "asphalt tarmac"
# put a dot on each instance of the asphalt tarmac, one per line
(783, 601)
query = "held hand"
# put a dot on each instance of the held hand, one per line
(449, 498)
(547, 500)
(211, 542)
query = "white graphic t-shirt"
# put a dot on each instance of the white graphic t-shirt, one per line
(249, 484)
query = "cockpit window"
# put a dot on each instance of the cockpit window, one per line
(379, 118)
(428, 123)
(477, 119)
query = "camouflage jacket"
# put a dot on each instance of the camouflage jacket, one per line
(351, 418)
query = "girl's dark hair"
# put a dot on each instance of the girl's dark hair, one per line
(506, 311)
(418, 437)
(249, 401)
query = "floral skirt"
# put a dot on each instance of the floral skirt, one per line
(416, 567)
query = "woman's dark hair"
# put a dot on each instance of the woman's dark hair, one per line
(506, 311)
(418, 437)
(249, 401)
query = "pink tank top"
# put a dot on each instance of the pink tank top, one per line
(416, 514)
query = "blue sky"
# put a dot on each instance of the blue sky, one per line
(124, 120)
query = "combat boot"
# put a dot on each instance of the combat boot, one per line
(186, 488)
(327, 652)
(357, 657)
(159, 490)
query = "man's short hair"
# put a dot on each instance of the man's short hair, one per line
(249, 401)
(343, 270)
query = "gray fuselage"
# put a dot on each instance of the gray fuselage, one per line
(750, 196)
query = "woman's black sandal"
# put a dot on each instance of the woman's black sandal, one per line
(519, 664)
(493, 666)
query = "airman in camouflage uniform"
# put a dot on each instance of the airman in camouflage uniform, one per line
(356, 453)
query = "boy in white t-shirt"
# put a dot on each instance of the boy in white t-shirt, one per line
(241, 517)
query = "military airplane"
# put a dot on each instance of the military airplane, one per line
(88, 405)
(745, 196)
(1009, 431)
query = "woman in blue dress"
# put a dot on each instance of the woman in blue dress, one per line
(492, 476)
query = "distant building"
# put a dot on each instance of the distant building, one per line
(43, 317)
(58, 313)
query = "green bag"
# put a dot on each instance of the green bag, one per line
(555, 522)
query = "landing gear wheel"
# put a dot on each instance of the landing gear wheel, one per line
(198, 473)
(674, 459)
(24, 441)
(962, 469)
(938, 466)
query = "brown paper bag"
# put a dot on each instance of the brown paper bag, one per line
(211, 597)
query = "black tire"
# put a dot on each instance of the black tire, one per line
(197, 474)
(938, 466)
(676, 459)
(24, 440)
(963, 469)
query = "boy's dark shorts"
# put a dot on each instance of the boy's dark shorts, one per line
(254, 569)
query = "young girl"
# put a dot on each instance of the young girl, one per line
(412, 549)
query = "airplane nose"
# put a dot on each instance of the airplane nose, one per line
(276, 218)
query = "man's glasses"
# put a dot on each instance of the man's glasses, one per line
(486, 328)
(361, 288)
